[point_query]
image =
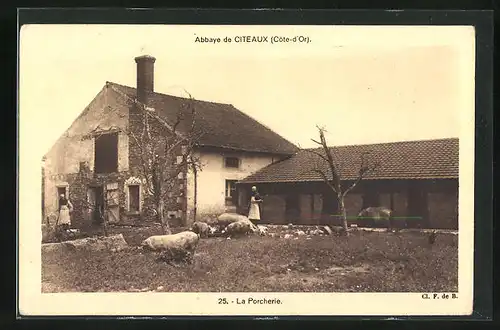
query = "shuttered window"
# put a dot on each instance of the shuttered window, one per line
(133, 199)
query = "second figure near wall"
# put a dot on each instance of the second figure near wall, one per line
(254, 211)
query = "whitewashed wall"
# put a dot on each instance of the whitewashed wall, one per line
(212, 179)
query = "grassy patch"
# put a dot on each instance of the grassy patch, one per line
(362, 262)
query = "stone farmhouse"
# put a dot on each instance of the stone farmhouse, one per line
(95, 160)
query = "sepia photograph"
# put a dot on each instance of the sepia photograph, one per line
(251, 169)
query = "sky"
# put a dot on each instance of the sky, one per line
(363, 84)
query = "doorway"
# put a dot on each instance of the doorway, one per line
(113, 202)
(292, 208)
(417, 216)
(95, 202)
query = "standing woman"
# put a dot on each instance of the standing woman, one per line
(254, 209)
(65, 207)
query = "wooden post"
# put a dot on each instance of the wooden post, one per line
(195, 173)
(312, 208)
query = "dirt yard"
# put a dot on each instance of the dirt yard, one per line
(362, 262)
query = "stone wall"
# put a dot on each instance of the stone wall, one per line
(175, 202)
(79, 184)
(70, 163)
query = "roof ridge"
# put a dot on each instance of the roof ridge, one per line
(170, 95)
(390, 143)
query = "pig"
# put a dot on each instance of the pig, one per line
(240, 228)
(200, 228)
(174, 247)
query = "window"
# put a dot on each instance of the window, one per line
(106, 153)
(232, 162)
(133, 198)
(230, 189)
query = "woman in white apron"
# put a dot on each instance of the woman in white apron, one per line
(254, 213)
(65, 207)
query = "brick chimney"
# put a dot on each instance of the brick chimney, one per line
(145, 76)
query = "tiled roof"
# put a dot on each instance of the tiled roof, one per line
(425, 159)
(223, 125)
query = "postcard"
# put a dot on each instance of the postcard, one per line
(246, 170)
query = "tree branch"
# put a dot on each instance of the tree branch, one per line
(317, 154)
(352, 186)
(330, 161)
(325, 178)
(158, 151)
(363, 169)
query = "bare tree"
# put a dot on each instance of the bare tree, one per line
(332, 176)
(165, 154)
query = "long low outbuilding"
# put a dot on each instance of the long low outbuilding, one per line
(418, 180)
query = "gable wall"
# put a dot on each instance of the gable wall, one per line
(74, 148)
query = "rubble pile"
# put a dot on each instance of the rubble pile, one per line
(294, 231)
